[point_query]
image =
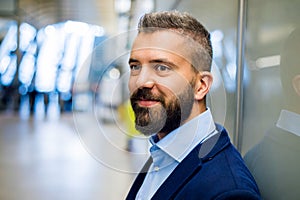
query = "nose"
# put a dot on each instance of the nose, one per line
(145, 78)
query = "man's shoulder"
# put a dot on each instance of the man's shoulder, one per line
(222, 170)
(224, 158)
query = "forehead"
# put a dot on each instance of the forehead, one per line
(161, 41)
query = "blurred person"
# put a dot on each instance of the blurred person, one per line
(191, 156)
(275, 160)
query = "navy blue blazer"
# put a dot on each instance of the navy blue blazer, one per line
(213, 170)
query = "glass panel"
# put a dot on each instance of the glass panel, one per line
(271, 131)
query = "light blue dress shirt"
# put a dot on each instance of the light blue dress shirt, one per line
(168, 152)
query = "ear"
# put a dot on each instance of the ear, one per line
(296, 84)
(203, 84)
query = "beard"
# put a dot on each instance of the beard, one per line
(165, 116)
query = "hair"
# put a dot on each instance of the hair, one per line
(185, 24)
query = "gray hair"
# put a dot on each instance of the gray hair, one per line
(186, 25)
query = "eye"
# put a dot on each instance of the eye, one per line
(135, 69)
(162, 68)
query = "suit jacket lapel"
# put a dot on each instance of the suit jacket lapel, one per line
(186, 169)
(139, 180)
(192, 164)
(179, 176)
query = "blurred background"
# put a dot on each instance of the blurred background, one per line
(63, 76)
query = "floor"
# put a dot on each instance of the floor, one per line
(74, 157)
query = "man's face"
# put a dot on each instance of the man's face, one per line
(161, 82)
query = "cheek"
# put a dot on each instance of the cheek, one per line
(174, 86)
(169, 93)
(131, 85)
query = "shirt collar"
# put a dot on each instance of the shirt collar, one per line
(182, 140)
(289, 121)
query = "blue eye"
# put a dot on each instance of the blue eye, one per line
(162, 68)
(135, 67)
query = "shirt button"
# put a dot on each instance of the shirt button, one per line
(156, 168)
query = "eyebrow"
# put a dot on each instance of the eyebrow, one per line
(132, 60)
(161, 60)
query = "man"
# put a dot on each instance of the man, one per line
(275, 160)
(191, 156)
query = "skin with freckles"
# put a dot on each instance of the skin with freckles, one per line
(166, 91)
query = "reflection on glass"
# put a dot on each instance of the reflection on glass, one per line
(275, 161)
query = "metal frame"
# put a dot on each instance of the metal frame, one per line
(238, 129)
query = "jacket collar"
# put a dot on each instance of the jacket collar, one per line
(192, 163)
(184, 171)
(178, 143)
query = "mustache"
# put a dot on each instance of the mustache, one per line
(145, 94)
